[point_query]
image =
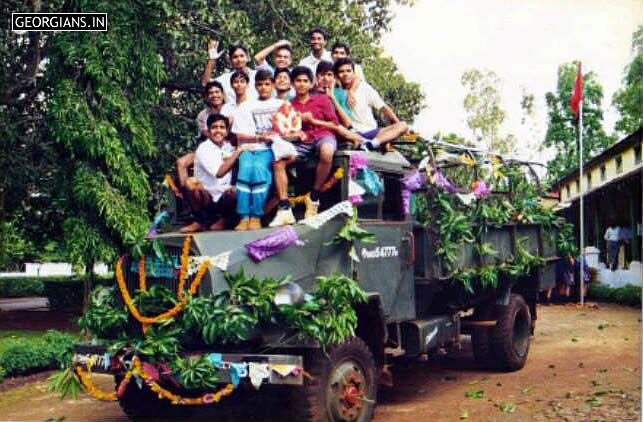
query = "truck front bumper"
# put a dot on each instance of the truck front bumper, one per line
(231, 367)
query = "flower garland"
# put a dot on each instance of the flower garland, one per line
(175, 399)
(162, 393)
(141, 274)
(94, 391)
(182, 277)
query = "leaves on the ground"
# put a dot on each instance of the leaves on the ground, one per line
(594, 401)
(508, 407)
(570, 395)
(551, 366)
(464, 415)
(474, 394)
(574, 339)
(602, 326)
(596, 383)
(581, 365)
(526, 390)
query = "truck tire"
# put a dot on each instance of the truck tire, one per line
(344, 387)
(141, 404)
(510, 337)
(481, 337)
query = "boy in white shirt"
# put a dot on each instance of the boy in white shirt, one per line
(210, 192)
(366, 99)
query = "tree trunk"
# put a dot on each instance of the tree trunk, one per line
(88, 285)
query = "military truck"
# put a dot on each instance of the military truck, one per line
(413, 305)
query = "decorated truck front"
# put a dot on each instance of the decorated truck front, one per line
(399, 262)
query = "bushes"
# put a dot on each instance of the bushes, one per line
(626, 295)
(62, 292)
(52, 351)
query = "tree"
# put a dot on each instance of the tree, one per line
(629, 99)
(562, 132)
(485, 115)
(111, 111)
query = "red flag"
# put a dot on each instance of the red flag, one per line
(577, 96)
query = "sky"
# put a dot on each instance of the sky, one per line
(522, 41)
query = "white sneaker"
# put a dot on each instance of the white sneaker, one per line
(284, 217)
(312, 207)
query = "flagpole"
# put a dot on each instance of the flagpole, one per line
(582, 221)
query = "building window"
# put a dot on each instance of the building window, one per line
(589, 180)
(567, 190)
(577, 186)
(619, 164)
(603, 173)
(637, 154)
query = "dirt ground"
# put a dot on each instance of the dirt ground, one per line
(584, 365)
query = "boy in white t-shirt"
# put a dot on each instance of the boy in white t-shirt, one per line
(366, 99)
(209, 192)
(253, 127)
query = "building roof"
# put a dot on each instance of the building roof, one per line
(615, 149)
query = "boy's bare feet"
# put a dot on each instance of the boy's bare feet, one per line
(191, 228)
(218, 225)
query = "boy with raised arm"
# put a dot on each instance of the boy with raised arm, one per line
(282, 56)
(238, 55)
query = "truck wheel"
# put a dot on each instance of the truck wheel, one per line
(142, 404)
(510, 336)
(481, 336)
(344, 386)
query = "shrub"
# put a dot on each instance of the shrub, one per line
(626, 295)
(62, 292)
(53, 352)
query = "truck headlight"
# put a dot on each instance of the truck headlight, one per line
(289, 294)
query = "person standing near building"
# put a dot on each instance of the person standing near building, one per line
(612, 237)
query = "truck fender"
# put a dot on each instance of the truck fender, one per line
(371, 326)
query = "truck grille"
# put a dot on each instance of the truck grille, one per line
(156, 273)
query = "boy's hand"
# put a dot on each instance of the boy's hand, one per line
(213, 53)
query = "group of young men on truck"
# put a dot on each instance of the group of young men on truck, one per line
(327, 91)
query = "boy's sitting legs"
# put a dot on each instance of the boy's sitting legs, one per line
(208, 214)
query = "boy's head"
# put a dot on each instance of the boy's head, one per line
(317, 39)
(283, 57)
(344, 69)
(340, 49)
(239, 81)
(217, 127)
(302, 79)
(325, 75)
(238, 55)
(213, 94)
(282, 79)
(264, 83)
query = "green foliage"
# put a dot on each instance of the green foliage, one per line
(195, 373)
(351, 232)
(53, 350)
(455, 228)
(629, 99)
(66, 382)
(626, 295)
(561, 130)
(160, 343)
(103, 319)
(155, 300)
(329, 317)
(12, 245)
